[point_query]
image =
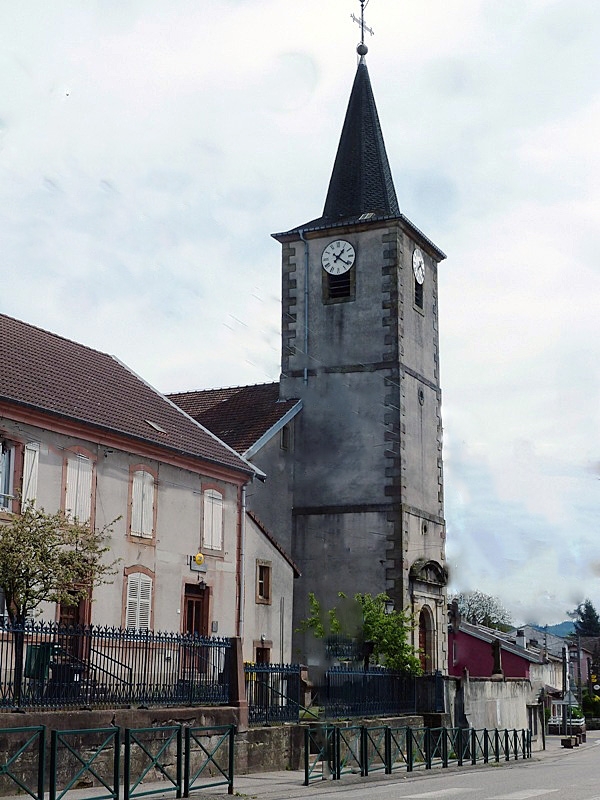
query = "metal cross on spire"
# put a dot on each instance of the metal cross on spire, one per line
(363, 26)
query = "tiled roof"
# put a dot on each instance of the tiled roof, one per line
(46, 372)
(361, 181)
(239, 415)
(274, 542)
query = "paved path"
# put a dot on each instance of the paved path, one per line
(289, 784)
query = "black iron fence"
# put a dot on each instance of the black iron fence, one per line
(273, 693)
(48, 665)
(348, 691)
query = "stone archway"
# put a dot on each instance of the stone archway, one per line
(427, 582)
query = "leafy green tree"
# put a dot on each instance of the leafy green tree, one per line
(47, 558)
(479, 608)
(365, 619)
(585, 618)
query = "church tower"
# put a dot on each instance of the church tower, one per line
(360, 349)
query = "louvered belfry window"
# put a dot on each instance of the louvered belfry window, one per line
(139, 601)
(213, 519)
(142, 504)
(78, 501)
(31, 460)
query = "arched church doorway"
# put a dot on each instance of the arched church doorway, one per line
(426, 629)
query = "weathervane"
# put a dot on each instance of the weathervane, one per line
(362, 48)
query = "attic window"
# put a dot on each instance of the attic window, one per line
(155, 425)
(365, 217)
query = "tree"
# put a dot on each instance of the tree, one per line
(586, 619)
(47, 557)
(483, 609)
(365, 620)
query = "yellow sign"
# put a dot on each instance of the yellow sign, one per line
(199, 559)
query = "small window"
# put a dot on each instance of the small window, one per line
(213, 519)
(339, 288)
(263, 582)
(142, 504)
(78, 497)
(139, 601)
(418, 294)
(7, 466)
(285, 438)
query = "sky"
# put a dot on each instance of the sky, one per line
(149, 149)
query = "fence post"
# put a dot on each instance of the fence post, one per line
(409, 750)
(427, 743)
(337, 748)
(497, 745)
(445, 747)
(53, 764)
(388, 750)
(179, 764)
(231, 758)
(459, 746)
(127, 764)
(41, 762)
(364, 762)
(506, 745)
(116, 761)
(486, 753)
(473, 746)
(306, 755)
(186, 762)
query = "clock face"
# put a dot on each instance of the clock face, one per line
(418, 265)
(338, 257)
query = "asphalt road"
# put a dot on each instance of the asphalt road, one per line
(556, 775)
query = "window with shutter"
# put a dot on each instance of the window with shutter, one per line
(142, 504)
(7, 461)
(139, 601)
(213, 519)
(30, 474)
(78, 500)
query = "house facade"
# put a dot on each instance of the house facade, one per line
(83, 434)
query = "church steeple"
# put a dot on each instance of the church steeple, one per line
(361, 181)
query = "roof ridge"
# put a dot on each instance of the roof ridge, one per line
(57, 336)
(221, 388)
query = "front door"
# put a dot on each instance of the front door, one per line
(195, 610)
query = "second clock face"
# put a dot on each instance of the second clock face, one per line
(418, 265)
(338, 257)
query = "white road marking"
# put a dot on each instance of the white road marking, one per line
(524, 794)
(438, 793)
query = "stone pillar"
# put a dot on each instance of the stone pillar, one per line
(237, 686)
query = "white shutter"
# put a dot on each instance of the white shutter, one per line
(30, 474)
(142, 504)
(78, 502)
(145, 602)
(139, 601)
(213, 519)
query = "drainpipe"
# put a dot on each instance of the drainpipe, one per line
(242, 566)
(301, 234)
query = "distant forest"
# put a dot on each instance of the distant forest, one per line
(562, 629)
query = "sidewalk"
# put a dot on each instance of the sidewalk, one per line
(286, 785)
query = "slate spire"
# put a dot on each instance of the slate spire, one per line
(361, 181)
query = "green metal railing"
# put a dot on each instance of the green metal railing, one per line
(81, 762)
(332, 751)
(209, 756)
(29, 742)
(153, 747)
